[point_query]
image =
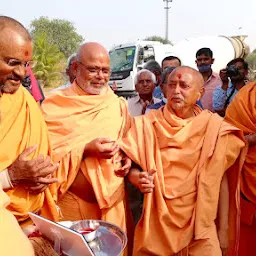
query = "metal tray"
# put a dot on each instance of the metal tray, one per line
(110, 239)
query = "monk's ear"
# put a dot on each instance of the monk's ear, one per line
(201, 93)
(75, 65)
(212, 60)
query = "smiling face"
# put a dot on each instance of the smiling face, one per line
(15, 51)
(92, 68)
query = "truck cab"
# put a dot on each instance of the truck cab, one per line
(127, 59)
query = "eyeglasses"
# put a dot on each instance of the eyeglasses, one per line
(26, 64)
(95, 71)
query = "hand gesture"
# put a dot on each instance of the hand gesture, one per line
(251, 139)
(36, 174)
(101, 148)
(146, 182)
(224, 79)
(126, 166)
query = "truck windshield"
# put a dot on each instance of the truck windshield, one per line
(122, 59)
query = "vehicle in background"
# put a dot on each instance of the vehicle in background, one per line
(127, 59)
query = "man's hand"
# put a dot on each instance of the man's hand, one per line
(223, 239)
(144, 181)
(35, 174)
(100, 148)
(251, 139)
(224, 79)
(126, 166)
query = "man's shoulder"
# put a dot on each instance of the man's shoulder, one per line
(61, 87)
(157, 105)
(134, 99)
(218, 89)
(215, 79)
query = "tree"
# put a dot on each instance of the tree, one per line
(251, 59)
(159, 39)
(50, 61)
(58, 32)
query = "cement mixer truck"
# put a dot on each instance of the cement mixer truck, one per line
(127, 59)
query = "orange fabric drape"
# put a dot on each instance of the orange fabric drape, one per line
(242, 113)
(74, 119)
(22, 126)
(190, 157)
(13, 241)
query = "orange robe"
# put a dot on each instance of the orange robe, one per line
(13, 241)
(190, 157)
(22, 126)
(74, 119)
(242, 113)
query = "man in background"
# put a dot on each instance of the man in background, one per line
(233, 79)
(145, 84)
(70, 72)
(204, 61)
(155, 68)
(170, 61)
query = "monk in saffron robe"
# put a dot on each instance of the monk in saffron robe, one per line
(242, 113)
(25, 166)
(180, 156)
(84, 121)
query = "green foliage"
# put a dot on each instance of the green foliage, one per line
(50, 61)
(158, 38)
(59, 32)
(251, 59)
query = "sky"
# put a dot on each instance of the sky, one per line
(114, 22)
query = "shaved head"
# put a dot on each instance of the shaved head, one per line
(16, 50)
(10, 24)
(185, 70)
(92, 68)
(184, 89)
(91, 50)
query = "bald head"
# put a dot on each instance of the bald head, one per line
(8, 24)
(91, 50)
(184, 89)
(92, 68)
(191, 72)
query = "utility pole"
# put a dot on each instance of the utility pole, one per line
(167, 7)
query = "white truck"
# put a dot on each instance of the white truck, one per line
(127, 59)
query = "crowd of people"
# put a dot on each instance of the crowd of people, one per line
(174, 167)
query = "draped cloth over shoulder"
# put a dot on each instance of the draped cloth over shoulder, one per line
(242, 113)
(22, 126)
(74, 119)
(190, 157)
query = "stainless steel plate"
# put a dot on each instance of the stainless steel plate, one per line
(110, 239)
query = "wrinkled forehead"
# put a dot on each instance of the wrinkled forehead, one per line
(95, 58)
(145, 75)
(181, 75)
